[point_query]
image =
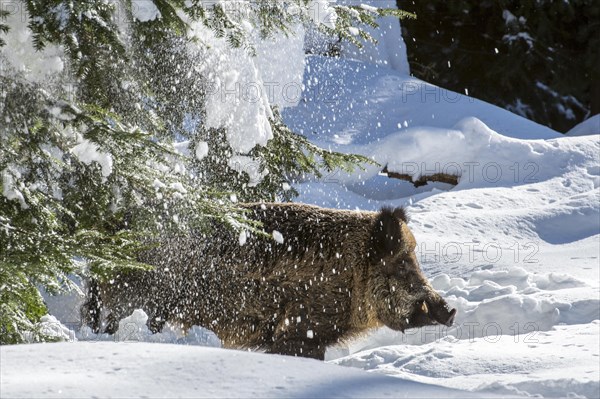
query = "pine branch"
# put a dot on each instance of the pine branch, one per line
(351, 18)
(290, 155)
(3, 28)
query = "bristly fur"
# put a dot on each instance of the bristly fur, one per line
(386, 235)
(316, 289)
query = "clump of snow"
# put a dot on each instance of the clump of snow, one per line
(87, 152)
(509, 17)
(177, 186)
(9, 187)
(182, 147)
(58, 113)
(243, 237)
(49, 326)
(201, 150)
(243, 87)
(157, 184)
(250, 166)
(144, 10)
(277, 236)
(237, 101)
(524, 36)
(323, 13)
(133, 327)
(20, 54)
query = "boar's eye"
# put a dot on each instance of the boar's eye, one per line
(404, 266)
(399, 268)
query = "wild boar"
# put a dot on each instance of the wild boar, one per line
(326, 276)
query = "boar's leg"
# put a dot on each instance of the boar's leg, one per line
(290, 337)
(295, 347)
(156, 323)
(111, 323)
(91, 310)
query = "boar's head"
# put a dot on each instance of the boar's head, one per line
(401, 295)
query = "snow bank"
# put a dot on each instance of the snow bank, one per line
(420, 150)
(107, 370)
(352, 102)
(506, 364)
(587, 127)
(201, 150)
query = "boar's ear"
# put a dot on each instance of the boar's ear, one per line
(386, 234)
(401, 214)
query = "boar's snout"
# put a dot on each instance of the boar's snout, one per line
(442, 314)
(432, 312)
(411, 301)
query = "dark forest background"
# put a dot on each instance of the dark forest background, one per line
(537, 58)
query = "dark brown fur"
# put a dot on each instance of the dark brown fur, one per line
(337, 274)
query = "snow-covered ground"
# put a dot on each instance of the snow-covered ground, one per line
(128, 370)
(514, 246)
(587, 127)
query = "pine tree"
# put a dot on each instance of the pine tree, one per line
(98, 158)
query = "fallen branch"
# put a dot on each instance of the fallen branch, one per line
(423, 180)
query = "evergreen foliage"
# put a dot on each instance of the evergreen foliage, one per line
(351, 16)
(3, 27)
(90, 161)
